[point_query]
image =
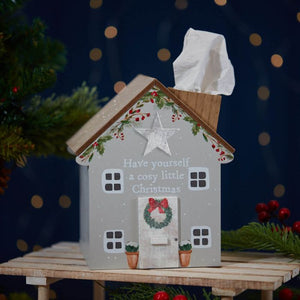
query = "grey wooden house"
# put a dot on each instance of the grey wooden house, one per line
(150, 174)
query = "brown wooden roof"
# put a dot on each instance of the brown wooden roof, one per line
(123, 101)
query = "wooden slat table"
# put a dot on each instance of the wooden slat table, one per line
(239, 271)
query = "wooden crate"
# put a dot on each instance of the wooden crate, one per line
(239, 271)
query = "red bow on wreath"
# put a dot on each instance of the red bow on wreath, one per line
(158, 204)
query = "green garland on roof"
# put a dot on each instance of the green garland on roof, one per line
(263, 237)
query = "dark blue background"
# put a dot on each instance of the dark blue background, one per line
(143, 28)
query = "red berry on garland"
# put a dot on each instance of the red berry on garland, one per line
(161, 295)
(261, 207)
(284, 213)
(15, 89)
(263, 216)
(285, 294)
(137, 119)
(273, 205)
(296, 227)
(180, 297)
(154, 94)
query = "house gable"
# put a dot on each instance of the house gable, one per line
(140, 90)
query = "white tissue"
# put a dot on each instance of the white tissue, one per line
(203, 65)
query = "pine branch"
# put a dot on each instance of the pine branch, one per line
(267, 237)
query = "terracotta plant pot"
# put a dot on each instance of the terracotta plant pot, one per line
(185, 257)
(132, 259)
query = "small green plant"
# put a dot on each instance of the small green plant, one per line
(185, 246)
(132, 247)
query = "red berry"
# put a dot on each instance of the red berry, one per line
(285, 294)
(263, 216)
(161, 295)
(261, 207)
(180, 297)
(213, 146)
(283, 213)
(273, 205)
(152, 101)
(296, 227)
(148, 114)
(15, 89)
(154, 94)
(138, 110)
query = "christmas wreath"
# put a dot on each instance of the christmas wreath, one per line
(163, 208)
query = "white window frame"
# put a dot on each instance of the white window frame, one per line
(113, 181)
(206, 179)
(113, 240)
(201, 237)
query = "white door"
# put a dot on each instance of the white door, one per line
(158, 232)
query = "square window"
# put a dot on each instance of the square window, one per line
(108, 187)
(194, 175)
(198, 178)
(201, 236)
(109, 234)
(204, 241)
(193, 183)
(202, 175)
(118, 234)
(196, 242)
(108, 176)
(204, 231)
(202, 183)
(113, 241)
(113, 181)
(118, 245)
(117, 187)
(110, 245)
(196, 232)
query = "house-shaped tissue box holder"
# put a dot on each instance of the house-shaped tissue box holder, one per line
(150, 179)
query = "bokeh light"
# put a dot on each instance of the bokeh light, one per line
(37, 247)
(276, 60)
(95, 54)
(163, 54)
(64, 201)
(96, 3)
(37, 201)
(181, 4)
(110, 32)
(279, 190)
(263, 93)
(221, 2)
(255, 39)
(264, 139)
(118, 86)
(298, 16)
(52, 294)
(22, 245)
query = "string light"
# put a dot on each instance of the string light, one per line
(298, 16)
(118, 86)
(64, 201)
(276, 60)
(96, 3)
(110, 32)
(263, 93)
(221, 2)
(181, 4)
(279, 190)
(22, 245)
(95, 54)
(264, 139)
(163, 54)
(37, 201)
(255, 39)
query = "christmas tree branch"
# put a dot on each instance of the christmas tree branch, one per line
(267, 237)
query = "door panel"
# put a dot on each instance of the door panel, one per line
(158, 232)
